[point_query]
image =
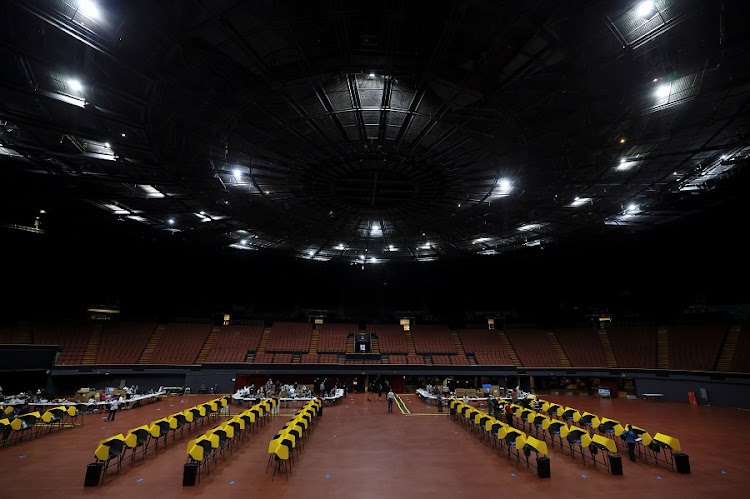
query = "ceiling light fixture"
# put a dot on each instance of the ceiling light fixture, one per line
(88, 8)
(170, 221)
(663, 91)
(75, 85)
(646, 9)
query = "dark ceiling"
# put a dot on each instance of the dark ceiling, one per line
(367, 133)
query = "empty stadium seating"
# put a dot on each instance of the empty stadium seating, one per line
(333, 337)
(234, 342)
(397, 359)
(328, 358)
(263, 358)
(695, 348)
(71, 337)
(123, 343)
(390, 336)
(486, 346)
(582, 346)
(180, 343)
(634, 346)
(290, 337)
(433, 339)
(533, 347)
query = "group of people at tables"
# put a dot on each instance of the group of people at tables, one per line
(141, 439)
(285, 393)
(583, 431)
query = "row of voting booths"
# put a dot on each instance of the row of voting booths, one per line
(598, 439)
(14, 428)
(503, 437)
(140, 441)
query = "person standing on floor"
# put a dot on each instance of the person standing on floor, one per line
(390, 398)
(508, 414)
(113, 406)
(440, 402)
(380, 390)
(630, 437)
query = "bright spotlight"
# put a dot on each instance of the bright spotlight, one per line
(75, 85)
(645, 9)
(237, 173)
(170, 221)
(662, 91)
(88, 8)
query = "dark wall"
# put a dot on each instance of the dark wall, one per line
(730, 392)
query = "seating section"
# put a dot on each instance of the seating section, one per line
(290, 337)
(634, 346)
(234, 342)
(390, 336)
(486, 346)
(123, 343)
(695, 348)
(741, 362)
(328, 358)
(283, 358)
(397, 359)
(533, 347)
(459, 360)
(71, 337)
(309, 358)
(582, 346)
(433, 339)
(415, 359)
(7, 331)
(180, 343)
(333, 337)
(441, 360)
(263, 358)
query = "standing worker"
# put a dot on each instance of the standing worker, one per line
(113, 406)
(630, 437)
(390, 398)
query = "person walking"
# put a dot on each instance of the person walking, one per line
(380, 390)
(390, 398)
(630, 438)
(113, 406)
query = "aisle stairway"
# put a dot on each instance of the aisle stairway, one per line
(557, 347)
(375, 344)
(662, 348)
(726, 357)
(264, 341)
(509, 348)
(609, 353)
(410, 344)
(92, 347)
(314, 340)
(460, 348)
(151, 345)
(208, 345)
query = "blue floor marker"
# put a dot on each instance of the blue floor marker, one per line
(658, 478)
(513, 475)
(139, 480)
(328, 476)
(583, 476)
(231, 483)
(21, 457)
(723, 472)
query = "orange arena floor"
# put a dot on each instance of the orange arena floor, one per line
(358, 450)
